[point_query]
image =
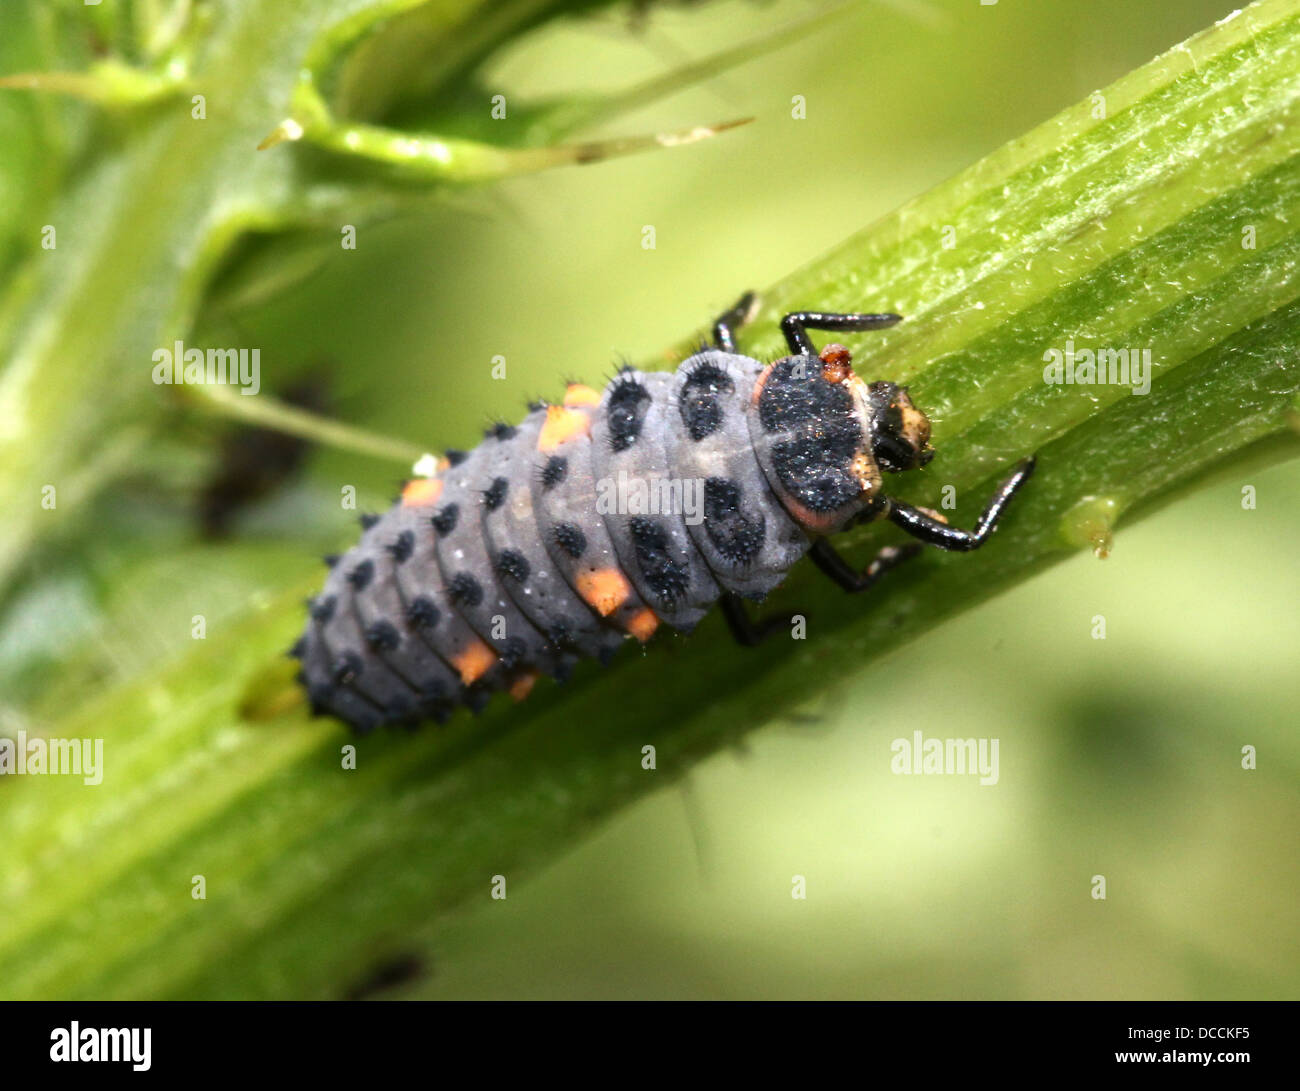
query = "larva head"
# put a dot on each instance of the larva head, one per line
(900, 433)
(824, 437)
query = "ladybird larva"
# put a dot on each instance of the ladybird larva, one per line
(512, 562)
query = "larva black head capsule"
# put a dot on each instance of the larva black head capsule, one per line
(900, 433)
(824, 437)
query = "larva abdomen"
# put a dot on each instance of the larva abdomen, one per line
(550, 541)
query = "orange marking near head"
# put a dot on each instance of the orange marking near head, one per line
(837, 364)
(759, 383)
(522, 686)
(643, 624)
(576, 394)
(604, 590)
(562, 425)
(420, 492)
(818, 522)
(475, 661)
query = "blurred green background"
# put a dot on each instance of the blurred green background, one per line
(1119, 757)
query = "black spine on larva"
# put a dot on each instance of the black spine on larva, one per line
(552, 540)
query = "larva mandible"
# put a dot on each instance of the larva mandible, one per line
(504, 566)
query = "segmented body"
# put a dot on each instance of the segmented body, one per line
(512, 562)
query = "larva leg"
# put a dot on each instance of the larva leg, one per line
(827, 558)
(728, 322)
(930, 530)
(745, 629)
(796, 325)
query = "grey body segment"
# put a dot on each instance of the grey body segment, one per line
(746, 537)
(583, 558)
(420, 584)
(353, 664)
(385, 623)
(635, 480)
(324, 694)
(515, 531)
(468, 574)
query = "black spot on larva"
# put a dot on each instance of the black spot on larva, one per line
(465, 590)
(399, 707)
(347, 667)
(454, 457)
(368, 520)
(299, 647)
(422, 613)
(500, 431)
(322, 609)
(817, 471)
(536, 406)
(700, 402)
(554, 471)
(513, 564)
(513, 650)
(318, 695)
(496, 492)
(666, 577)
(401, 547)
(434, 689)
(570, 538)
(476, 697)
(736, 536)
(626, 412)
(361, 576)
(382, 636)
(444, 520)
(330, 559)
(560, 633)
(795, 395)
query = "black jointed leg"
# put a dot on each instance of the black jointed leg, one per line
(936, 533)
(726, 324)
(796, 325)
(745, 629)
(827, 558)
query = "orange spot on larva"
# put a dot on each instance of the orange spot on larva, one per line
(561, 426)
(604, 590)
(576, 394)
(643, 624)
(420, 492)
(836, 363)
(474, 661)
(818, 522)
(759, 383)
(522, 686)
